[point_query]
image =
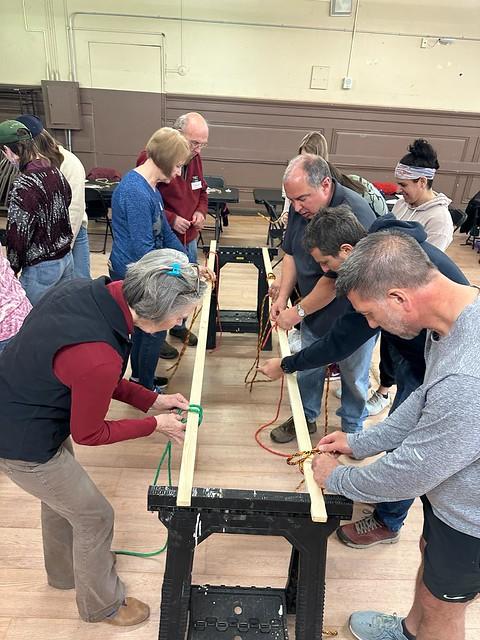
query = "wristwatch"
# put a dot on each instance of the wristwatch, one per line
(300, 310)
(284, 366)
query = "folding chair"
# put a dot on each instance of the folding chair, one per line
(97, 210)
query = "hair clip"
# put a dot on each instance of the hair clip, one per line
(174, 270)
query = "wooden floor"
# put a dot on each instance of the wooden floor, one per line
(379, 578)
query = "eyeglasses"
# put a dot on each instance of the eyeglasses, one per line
(201, 277)
(194, 144)
(196, 291)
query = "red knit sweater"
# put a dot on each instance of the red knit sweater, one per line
(181, 197)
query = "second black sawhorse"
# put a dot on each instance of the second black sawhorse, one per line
(240, 321)
(267, 513)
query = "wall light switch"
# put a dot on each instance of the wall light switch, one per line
(319, 77)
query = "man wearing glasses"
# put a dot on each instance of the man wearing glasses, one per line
(186, 203)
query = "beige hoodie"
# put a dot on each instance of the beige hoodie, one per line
(433, 215)
(74, 172)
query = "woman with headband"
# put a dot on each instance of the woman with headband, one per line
(415, 173)
(419, 203)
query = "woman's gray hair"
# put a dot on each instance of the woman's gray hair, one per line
(382, 261)
(316, 169)
(154, 292)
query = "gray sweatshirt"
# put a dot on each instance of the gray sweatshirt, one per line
(433, 215)
(434, 436)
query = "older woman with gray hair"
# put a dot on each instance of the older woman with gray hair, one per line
(57, 378)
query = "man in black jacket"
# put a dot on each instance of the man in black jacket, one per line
(330, 238)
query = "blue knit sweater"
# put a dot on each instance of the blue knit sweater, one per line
(138, 222)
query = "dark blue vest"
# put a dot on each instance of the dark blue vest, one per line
(34, 404)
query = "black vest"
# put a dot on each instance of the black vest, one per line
(34, 404)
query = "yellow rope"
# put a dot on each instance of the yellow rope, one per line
(174, 367)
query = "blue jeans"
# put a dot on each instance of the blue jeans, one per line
(354, 373)
(39, 278)
(81, 255)
(393, 514)
(144, 355)
(191, 249)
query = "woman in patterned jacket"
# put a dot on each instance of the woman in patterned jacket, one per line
(38, 226)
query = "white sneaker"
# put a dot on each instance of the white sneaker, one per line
(377, 403)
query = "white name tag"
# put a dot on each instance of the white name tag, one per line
(196, 185)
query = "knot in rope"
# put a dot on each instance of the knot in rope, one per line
(193, 408)
(300, 457)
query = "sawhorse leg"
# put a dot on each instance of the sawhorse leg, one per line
(212, 316)
(178, 576)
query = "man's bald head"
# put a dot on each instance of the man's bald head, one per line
(195, 129)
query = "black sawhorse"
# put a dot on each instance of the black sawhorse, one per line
(240, 321)
(248, 512)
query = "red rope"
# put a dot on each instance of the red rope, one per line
(268, 424)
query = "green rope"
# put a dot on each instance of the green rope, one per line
(167, 453)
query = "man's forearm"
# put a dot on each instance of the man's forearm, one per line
(348, 333)
(389, 434)
(322, 294)
(289, 277)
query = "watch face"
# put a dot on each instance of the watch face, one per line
(300, 311)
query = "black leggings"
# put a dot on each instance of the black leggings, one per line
(387, 365)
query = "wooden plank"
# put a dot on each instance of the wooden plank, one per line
(187, 468)
(317, 510)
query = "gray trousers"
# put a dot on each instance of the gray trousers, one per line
(77, 529)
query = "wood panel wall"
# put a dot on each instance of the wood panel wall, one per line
(251, 141)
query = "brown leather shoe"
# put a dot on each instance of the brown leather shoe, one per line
(365, 533)
(131, 612)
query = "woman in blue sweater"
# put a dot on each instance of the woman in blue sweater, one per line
(139, 226)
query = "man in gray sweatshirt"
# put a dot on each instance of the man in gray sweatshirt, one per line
(432, 440)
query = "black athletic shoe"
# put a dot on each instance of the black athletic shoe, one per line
(160, 383)
(167, 352)
(182, 333)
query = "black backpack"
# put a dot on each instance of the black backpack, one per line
(472, 212)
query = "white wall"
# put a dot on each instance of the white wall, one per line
(251, 48)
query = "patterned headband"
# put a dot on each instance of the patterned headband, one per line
(405, 172)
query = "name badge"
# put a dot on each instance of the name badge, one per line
(197, 184)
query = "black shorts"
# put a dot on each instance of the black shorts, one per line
(451, 560)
